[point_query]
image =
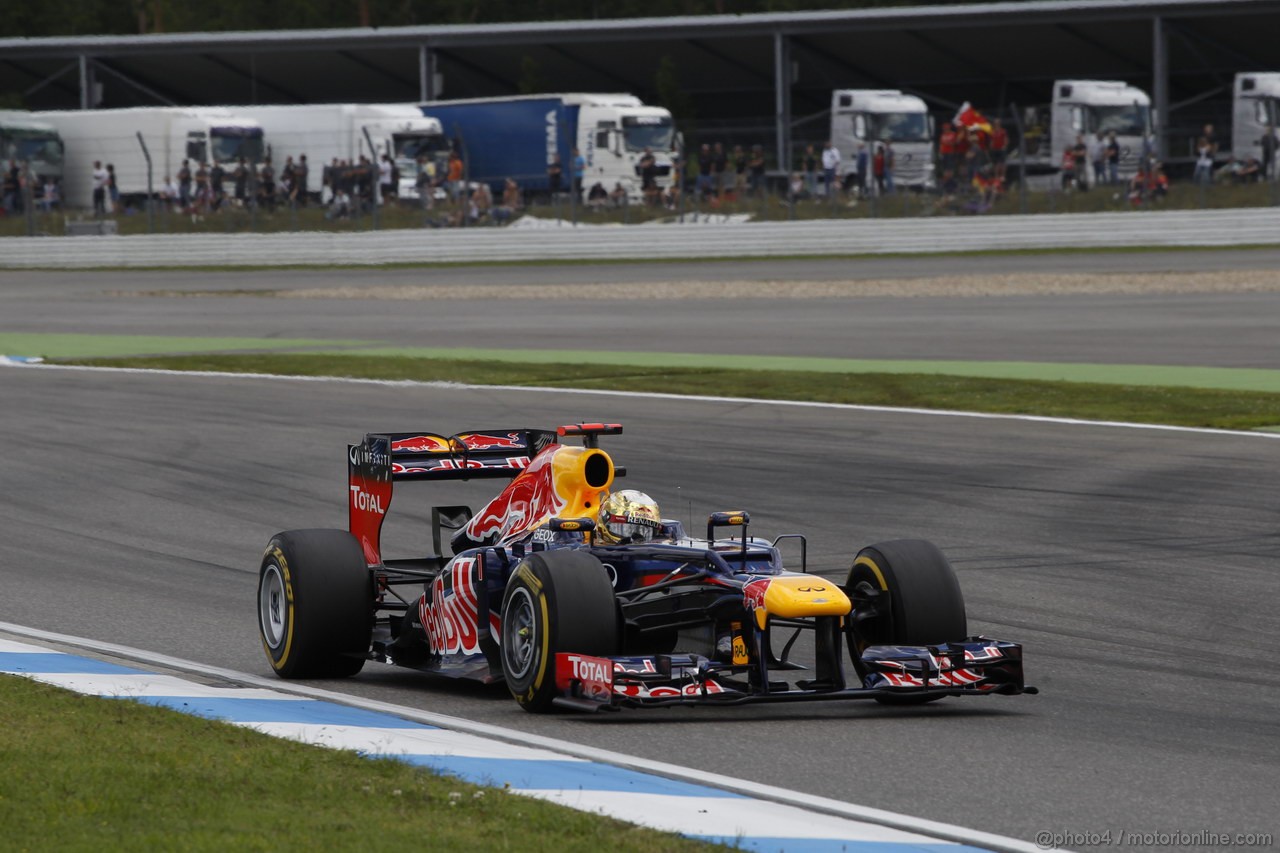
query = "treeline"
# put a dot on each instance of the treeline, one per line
(33, 18)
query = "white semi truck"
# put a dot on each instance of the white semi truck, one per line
(325, 132)
(1255, 111)
(172, 134)
(866, 117)
(1082, 108)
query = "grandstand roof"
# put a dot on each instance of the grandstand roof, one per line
(991, 54)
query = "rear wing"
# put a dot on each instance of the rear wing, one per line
(464, 456)
(382, 458)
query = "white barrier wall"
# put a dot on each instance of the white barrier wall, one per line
(1238, 227)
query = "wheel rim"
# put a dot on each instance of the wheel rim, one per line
(519, 634)
(272, 606)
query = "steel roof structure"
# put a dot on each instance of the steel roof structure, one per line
(747, 78)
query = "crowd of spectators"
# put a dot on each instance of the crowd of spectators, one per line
(22, 187)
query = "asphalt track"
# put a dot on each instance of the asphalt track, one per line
(1138, 566)
(1231, 330)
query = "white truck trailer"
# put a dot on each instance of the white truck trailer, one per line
(325, 132)
(172, 134)
(867, 117)
(1082, 108)
(1255, 111)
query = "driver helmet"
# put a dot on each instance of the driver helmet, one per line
(628, 516)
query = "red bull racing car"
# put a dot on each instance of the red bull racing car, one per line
(536, 592)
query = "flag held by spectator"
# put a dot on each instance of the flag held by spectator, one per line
(972, 119)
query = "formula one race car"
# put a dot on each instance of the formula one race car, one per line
(583, 598)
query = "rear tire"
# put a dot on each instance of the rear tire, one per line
(315, 604)
(556, 601)
(925, 604)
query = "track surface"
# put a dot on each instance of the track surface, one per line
(1217, 330)
(1138, 566)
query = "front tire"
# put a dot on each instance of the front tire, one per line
(556, 601)
(315, 604)
(905, 593)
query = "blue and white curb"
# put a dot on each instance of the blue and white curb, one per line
(674, 799)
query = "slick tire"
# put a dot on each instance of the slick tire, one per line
(315, 604)
(556, 601)
(925, 606)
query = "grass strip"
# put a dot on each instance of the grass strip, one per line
(86, 773)
(1194, 407)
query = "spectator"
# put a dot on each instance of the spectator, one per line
(240, 177)
(739, 171)
(861, 170)
(113, 189)
(830, 165)
(1097, 148)
(511, 201)
(555, 175)
(301, 173)
(579, 172)
(671, 198)
(719, 165)
(339, 205)
(888, 165)
(386, 187)
(618, 195)
(1211, 137)
(705, 163)
(877, 168)
(481, 203)
(1204, 161)
(184, 184)
(216, 175)
(647, 166)
(597, 196)
(999, 149)
(1068, 168)
(1249, 171)
(169, 192)
(1113, 159)
(267, 185)
(455, 175)
(810, 164)
(798, 187)
(11, 195)
(756, 170)
(202, 186)
(1268, 150)
(947, 148)
(50, 199)
(1080, 156)
(100, 178)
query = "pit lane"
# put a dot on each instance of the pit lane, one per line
(1137, 566)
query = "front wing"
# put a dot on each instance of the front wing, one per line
(975, 666)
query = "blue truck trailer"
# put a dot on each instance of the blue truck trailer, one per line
(519, 137)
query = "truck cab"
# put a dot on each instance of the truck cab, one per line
(1086, 107)
(1255, 107)
(614, 131)
(409, 141)
(223, 139)
(867, 117)
(25, 139)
